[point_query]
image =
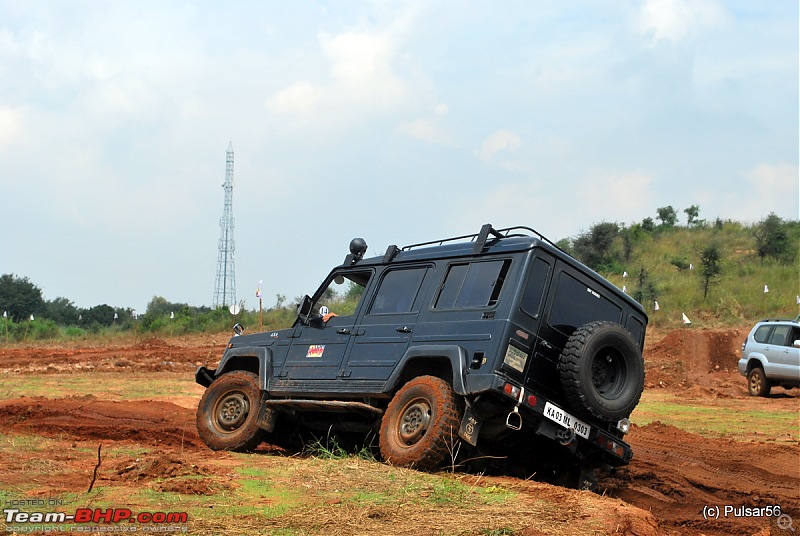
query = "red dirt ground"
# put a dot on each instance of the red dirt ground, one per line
(673, 475)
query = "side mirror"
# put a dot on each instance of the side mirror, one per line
(796, 344)
(304, 309)
(238, 329)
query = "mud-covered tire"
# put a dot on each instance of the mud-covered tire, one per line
(757, 382)
(602, 371)
(420, 426)
(228, 412)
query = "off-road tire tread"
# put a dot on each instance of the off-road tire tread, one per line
(251, 436)
(440, 442)
(570, 365)
(766, 384)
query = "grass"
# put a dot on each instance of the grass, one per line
(111, 385)
(720, 417)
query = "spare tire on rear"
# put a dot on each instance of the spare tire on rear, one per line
(602, 371)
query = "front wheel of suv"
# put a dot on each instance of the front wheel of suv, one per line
(228, 413)
(757, 382)
(420, 426)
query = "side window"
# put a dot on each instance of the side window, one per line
(476, 284)
(575, 304)
(398, 291)
(762, 334)
(534, 290)
(343, 293)
(780, 335)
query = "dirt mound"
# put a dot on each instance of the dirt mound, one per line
(152, 343)
(675, 474)
(154, 467)
(687, 357)
(142, 421)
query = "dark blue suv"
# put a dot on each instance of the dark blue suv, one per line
(485, 345)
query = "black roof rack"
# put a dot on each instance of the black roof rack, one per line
(482, 237)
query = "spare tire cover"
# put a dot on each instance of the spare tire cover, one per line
(602, 371)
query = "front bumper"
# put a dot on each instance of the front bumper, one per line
(204, 376)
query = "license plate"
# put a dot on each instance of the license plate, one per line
(556, 414)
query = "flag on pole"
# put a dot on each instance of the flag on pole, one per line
(116, 317)
(172, 315)
(5, 313)
(624, 289)
(691, 266)
(686, 319)
(258, 292)
(31, 317)
(798, 302)
(766, 289)
(624, 274)
(656, 307)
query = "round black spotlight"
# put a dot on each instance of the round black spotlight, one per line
(358, 246)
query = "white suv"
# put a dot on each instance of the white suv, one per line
(771, 356)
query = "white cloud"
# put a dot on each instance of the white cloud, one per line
(673, 20)
(502, 140)
(425, 130)
(629, 193)
(10, 124)
(300, 97)
(441, 109)
(776, 189)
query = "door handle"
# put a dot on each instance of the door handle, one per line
(343, 331)
(404, 329)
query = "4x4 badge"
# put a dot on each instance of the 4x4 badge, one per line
(315, 350)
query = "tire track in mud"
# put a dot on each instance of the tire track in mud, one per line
(675, 474)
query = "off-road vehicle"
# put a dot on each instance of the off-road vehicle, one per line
(496, 344)
(771, 356)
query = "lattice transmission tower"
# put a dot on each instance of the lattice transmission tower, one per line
(225, 287)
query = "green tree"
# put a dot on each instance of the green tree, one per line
(19, 297)
(772, 239)
(645, 291)
(668, 216)
(99, 315)
(710, 268)
(161, 306)
(595, 247)
(692, 216)
(62, 311)
(648, 225)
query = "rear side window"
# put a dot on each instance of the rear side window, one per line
(476, 284)
(762, 334)
(534, 290)
(398, 291)
(576, 304)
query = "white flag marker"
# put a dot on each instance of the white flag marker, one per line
(686, 319)
(766, 289)
(656, 307)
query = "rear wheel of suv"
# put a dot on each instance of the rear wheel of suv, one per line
(602, 371)
(420, 426)
(757, 382)
(228, 413)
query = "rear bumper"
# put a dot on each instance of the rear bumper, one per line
(598, 443)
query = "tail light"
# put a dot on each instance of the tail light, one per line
(610, 445)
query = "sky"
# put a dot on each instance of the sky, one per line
(399, 122)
